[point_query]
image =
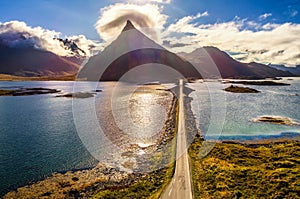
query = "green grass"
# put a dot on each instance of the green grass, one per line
(150, 187)
(237, 171)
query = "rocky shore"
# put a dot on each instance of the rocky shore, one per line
(238, 89)
(27, 91)
(79, 184)
(276, 120)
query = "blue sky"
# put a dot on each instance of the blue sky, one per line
(79, 16)
(264, 31)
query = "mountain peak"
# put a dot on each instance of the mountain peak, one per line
(129, 26)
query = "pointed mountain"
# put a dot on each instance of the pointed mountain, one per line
(128, 26)
(134, 50)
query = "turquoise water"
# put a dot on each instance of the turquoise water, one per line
(241, 108)
(38, 135)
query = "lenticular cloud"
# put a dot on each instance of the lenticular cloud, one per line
(114, 17)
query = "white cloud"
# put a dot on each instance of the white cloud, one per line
(264, 16)
(88, 46)
(265, 43)
(184, 24)
(147, 1)
(113, 18)
(162, 1)
(251, 40)
(19, 34)
(294, 13)
(269, 26)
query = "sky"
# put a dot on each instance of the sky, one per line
(266, 31)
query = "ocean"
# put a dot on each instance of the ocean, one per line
(38, 135)
(225, 115)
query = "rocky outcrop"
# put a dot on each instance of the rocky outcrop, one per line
(79, 184)
(237, 89)
(276, 120)
(77, 95)
(28, 91)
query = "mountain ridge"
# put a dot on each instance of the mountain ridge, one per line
(132, 49)
(29, 61)
(208, 58)
(295, 70)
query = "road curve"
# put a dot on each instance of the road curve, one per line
(181, 184)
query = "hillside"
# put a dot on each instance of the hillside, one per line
(208, 59)
(133, 49)
(29, 61)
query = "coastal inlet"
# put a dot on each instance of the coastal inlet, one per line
(124, 123)
(47, 141)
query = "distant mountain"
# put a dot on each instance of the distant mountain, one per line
(208, 59)
(71, 46)
(294, 70)
(29, 61)
(134, 55)
(131, 49)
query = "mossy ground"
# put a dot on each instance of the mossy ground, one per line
(150, 187)
(234, 170)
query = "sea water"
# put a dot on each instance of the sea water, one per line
(236, 111)
(38, 135)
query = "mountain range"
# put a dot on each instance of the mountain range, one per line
(208, 59)
(134, 56)
(133, 50)
(294, 70)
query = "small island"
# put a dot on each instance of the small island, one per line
(276, 120)
(259, 83)
(237, 89)
(77, 95)
(27, 91)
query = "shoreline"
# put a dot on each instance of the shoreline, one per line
(255, 138)
(261, 167)
(6, 77)
(106, 175)
(86, 182)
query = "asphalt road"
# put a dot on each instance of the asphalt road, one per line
(181, 184)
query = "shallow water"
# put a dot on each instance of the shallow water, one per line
(42, 134)
(241, 108)
(38, 135)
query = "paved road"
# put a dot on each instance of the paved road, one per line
(181, 184)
